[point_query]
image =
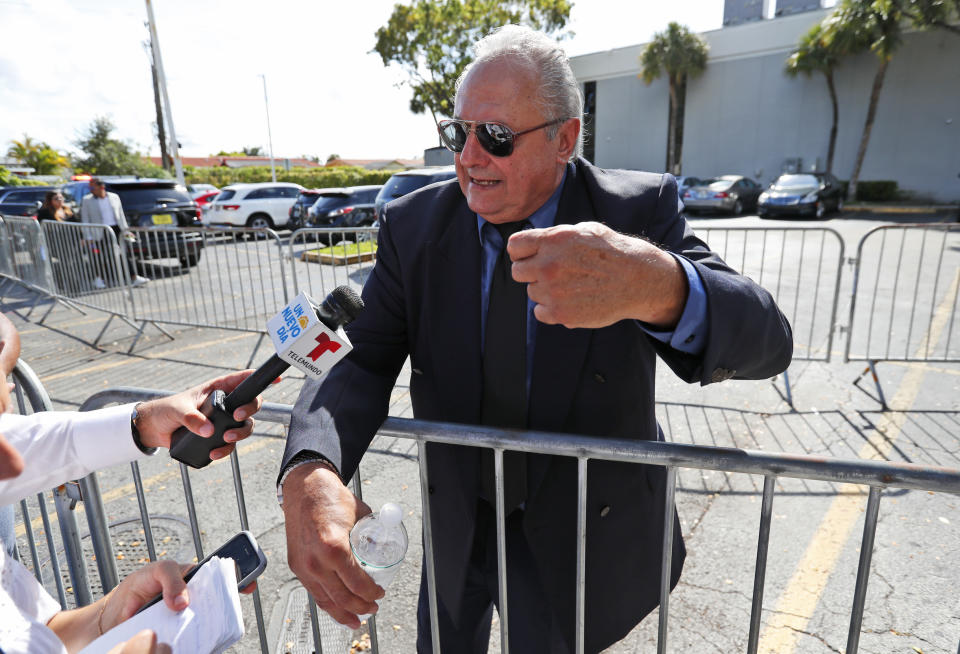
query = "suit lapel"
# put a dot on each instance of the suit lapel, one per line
(560, 352)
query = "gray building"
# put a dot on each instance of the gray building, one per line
(744, 115)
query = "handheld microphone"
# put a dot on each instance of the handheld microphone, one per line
(305, 335)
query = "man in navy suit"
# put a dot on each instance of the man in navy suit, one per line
(613, 278)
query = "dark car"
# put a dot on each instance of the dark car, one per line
(160, 203)
(298, 212)
(410, 180)
(23, 200)
(801, 194)
(347, 208)
(730, 193)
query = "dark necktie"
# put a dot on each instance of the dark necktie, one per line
(504, 402)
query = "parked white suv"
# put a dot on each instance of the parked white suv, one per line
(253, 205)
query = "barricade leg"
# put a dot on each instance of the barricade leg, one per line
(72, 549)
(863, 569)
(760, 573)
(428, 547)
(99, 532)
(667, 561)
(872, 369)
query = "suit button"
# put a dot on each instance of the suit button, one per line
(689, 339)
(600, 379)
(604, 511)
(430, 490)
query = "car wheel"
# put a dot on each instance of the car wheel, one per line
(761, 214)
(821, 211)
(260, 221)
(737, 208)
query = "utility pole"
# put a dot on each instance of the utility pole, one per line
(158, 62)
(273, 168)
(161, 130)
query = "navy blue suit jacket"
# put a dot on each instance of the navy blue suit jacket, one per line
(423, 300)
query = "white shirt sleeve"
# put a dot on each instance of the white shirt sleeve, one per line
(58, 446)
(26, 609)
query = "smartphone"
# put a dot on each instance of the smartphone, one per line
(248, 559)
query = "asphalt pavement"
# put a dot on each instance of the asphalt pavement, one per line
(911, 603)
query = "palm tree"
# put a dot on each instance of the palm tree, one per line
(680, 54)
(857, 26)
(813, 55)
(38, 155)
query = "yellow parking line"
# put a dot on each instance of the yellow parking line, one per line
(139, 358)
(802, 594)
(130, 489)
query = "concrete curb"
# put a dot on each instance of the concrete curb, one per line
(880, 208)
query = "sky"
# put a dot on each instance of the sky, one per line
(65, 62)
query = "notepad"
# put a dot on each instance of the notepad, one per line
(211, 623)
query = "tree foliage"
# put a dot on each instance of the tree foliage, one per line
(925, 14)
(38, 155)
(105, 155)
(679, 54)
(432, 40)
(816, 54)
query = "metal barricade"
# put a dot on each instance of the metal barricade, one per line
(27, 251)
(224, 278)
(874, 474)
(324, 258)
(88, 266)
(73, 590)
(6, 251)
(904, 303)
(799, 266)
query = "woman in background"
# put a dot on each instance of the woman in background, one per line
(54, 208)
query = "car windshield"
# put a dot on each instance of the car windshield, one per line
(332, 201)
(399, 185)
(307, 198)
(149, 196)
(718, 184)
(787, 182)
(224, 196)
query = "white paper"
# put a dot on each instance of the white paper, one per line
(211, 623)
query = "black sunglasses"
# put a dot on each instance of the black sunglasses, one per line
(495, 138)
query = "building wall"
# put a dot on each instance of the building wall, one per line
(744, 115)
(631, 125)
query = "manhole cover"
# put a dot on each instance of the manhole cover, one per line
(172, 539)
(296, 632)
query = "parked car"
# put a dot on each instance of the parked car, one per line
(298, 212)
(352, 206)
(685, 182)
(160, 203)
(205, 198)
(410, 180)
(196, 190)
(803, 194)
(22, 200)
(260, 205)
(730, 193)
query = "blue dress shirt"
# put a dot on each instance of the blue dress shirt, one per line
(688, 336)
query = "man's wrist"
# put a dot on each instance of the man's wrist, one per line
(136, 422)
(301, 465)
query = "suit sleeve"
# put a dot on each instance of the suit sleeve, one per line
(339, 415)
(748, 337)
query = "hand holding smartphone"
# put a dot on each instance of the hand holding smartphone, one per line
(249, 561)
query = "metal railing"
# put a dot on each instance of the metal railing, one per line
(88, 266)
(905, 308)
(232, 278)
(26, 251)
(799, 266)
(874, 474)
(346, 257)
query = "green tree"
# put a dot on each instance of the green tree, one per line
(815, 55)
(681, 55)
(38, 155)
(431, 40)
(940, 14)
(104, 155)
(857, 26)
(252, 151)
